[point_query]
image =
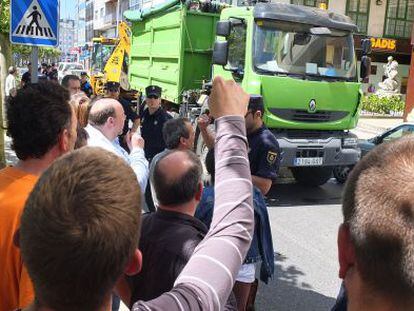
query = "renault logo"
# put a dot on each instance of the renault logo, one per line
(312, 106)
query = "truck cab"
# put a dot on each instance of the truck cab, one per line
(302, 61)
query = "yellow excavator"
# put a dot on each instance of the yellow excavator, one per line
(110, 60)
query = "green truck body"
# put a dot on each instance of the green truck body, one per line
(173, 50)
(308, 110)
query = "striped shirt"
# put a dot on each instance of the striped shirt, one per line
(207, 280)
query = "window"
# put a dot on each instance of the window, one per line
(102, 12)
(398, 133)
(237, 45)
(399, 18)
(134, 4)
(290, 49)
(314, 3)
(358, 11)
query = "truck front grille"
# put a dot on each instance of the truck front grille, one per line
(299, 115)
(310, 153)
(307, 134)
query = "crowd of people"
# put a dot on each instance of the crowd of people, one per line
(109, 203)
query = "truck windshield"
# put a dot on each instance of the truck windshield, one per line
(291, 49)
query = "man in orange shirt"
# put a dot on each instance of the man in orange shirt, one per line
(42, 126)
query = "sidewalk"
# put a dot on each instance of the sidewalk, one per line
(372, 126)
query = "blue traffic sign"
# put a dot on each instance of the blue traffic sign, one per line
(34, 22)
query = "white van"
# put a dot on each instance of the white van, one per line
(69, 69)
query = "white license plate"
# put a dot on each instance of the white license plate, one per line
(308, 161)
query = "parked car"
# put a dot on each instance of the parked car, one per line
(341, 172)
(69, 69)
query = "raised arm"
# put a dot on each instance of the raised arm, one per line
(206, 281)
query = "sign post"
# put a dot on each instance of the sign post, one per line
(35, 60)
(34, 23)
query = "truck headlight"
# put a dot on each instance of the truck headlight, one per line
(349, 142)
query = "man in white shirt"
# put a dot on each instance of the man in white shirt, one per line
(106, 121)
(10, 86)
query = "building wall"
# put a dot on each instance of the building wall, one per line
(81, 27)
(89, 21)
(337, 6)
(105, 16)
(66, 35)
(376, 20)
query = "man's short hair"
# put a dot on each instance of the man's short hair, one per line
(179, 190)
(79, 229)
(378, 207)
(101, 116)
(67, 78)
(256, 103)
(173, 130)
(12, 70)
(36, 117)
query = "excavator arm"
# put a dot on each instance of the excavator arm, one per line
(113, 68)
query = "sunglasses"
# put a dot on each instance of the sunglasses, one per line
(152, 96)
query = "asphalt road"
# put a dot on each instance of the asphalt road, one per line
(304, 226)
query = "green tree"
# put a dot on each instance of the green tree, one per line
(5, 61)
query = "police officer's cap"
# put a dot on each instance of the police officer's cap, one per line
(84, 73)
(112, 86)
(153, 90)
(256, 102)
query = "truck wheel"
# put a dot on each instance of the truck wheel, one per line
(312, 176)
(341, 173)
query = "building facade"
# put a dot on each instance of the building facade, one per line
(81, 23)
(67, 36)
(89, 34)
(106, 13)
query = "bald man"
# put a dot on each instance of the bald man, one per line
(106, 122)
(169, 235)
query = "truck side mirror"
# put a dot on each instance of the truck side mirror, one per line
(366, 46)
(220, 53)
(365, 67)
(223, 28)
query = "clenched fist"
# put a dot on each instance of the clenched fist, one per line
(227, 98)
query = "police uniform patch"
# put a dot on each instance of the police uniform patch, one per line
(271, 157)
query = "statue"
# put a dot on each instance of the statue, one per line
(389, 87)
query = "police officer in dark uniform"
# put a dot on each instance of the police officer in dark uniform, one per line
(264, 157)
(85, 85)
(153, 118)
(264, 151)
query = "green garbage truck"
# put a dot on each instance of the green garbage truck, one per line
(301, 60)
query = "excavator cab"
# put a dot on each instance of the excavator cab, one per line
(110, 60)
(102, 50)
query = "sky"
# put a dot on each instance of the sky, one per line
(68, 8)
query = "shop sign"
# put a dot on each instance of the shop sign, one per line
(383, 44)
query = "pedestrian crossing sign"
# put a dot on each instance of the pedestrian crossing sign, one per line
(34, 22)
